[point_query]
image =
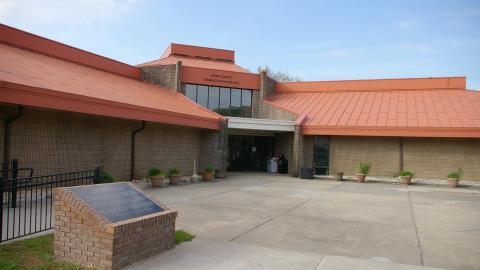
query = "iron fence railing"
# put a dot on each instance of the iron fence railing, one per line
(28, 202)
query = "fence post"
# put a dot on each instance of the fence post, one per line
(96, 176)
(14, 182)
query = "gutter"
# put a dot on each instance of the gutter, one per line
(132, 151)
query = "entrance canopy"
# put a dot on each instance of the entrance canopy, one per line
(256, 124)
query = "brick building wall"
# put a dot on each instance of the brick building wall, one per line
(52, 141)
(425, 157)
(166, 76)
(268, 111)
(284, 145)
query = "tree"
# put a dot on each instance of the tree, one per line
(279, 76)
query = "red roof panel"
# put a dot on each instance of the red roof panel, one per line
(413, 112)
(34, 79)
(198, 63)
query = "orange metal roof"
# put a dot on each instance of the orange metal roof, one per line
(18, 38)
(199, 52)
(197, 63)
(34, 79)
(429, 112)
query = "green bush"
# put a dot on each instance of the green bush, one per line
(456, 175)
(155, 172)
(173, 171)
(209, 168)
(406, 173)
(364, 167)
(105, 177)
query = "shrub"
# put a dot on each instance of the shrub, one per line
(173, 171)
(209, 168)
(364, 167)
(406, 173)
(456, 175)
(155, 172)
(105, 177)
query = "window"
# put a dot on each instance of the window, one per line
(246, 109)
(223, 100)
(213, 98)
(191, 91)
(235, 101)
(202, 95)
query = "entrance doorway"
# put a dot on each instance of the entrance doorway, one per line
(249, 152)
(321, 154)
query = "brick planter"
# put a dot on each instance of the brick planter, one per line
(85, 237)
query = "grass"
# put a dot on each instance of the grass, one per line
(182, 236)
(34, 253)
(37, 253)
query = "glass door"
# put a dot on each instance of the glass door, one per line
(321, 154)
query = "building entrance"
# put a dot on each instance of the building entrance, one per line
(249, 153)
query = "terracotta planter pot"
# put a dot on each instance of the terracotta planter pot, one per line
(157, 181)
(174, 179)
(361, 177)
(406, 180)
(338, 176)
(207, 176)
(453, 182)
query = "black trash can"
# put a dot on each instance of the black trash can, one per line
(306, 173)
(283, 166)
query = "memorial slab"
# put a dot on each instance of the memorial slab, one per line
(110, 226)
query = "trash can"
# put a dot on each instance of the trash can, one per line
(306, 173)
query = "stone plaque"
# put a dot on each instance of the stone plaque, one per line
(117, 202)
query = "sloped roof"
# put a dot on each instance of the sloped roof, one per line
(35, 79)
(197, 63)
(444, 111)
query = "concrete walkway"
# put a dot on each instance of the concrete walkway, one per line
(261, 221)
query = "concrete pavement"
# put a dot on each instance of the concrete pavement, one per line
(262, 221)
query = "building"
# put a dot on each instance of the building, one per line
(65, 109)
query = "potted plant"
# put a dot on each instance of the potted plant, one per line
(208, 173)
(364, 169)
(338, 176)
(157, 177)
(174, 176)
(454, 177)
(406, 177)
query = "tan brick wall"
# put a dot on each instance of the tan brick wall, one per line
(435, 158)
(84, 237)
(164, 76)
(268, 111)
(347, 152)
(284, 145)
(53, 142)
(425, 157)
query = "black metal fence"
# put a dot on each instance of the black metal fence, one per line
(27, 202)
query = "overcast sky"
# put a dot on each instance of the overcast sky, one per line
(315, 40)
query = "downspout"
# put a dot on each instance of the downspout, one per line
(6, 140)
(132, 151)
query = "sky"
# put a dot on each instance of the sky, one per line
(314, 40)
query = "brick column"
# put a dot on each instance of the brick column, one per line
(178, 77)
(297, 151)
(213, 148)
